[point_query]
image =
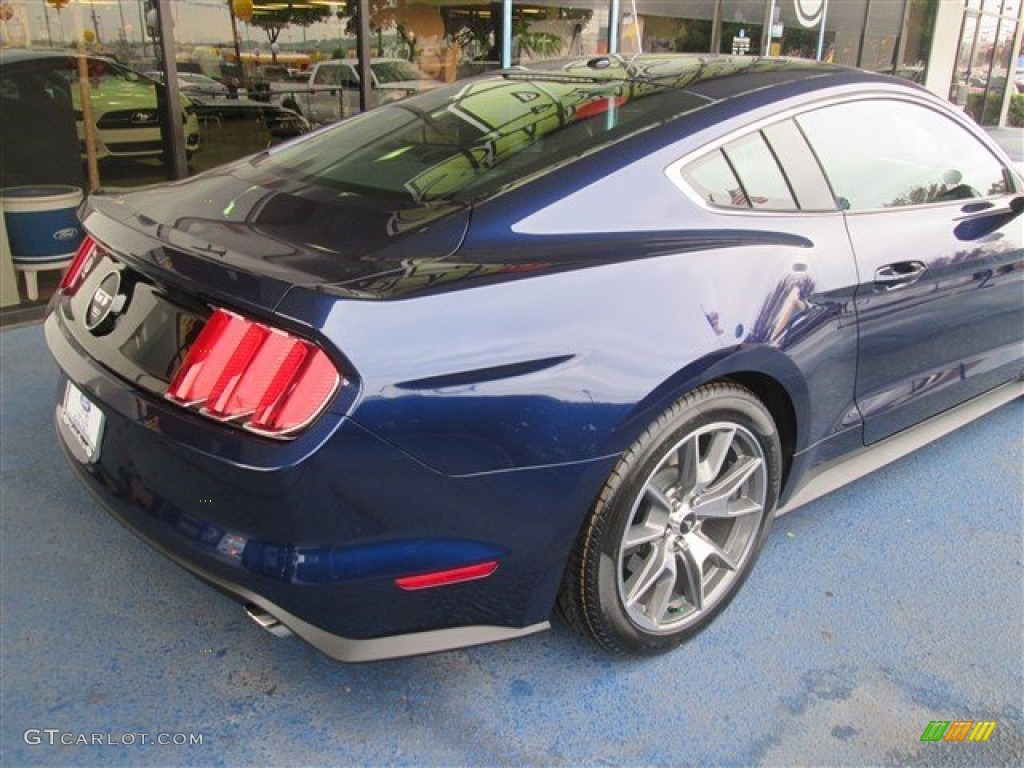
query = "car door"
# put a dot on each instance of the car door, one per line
(932, 216)
(325, 95)
(795, 293)
(350, 83)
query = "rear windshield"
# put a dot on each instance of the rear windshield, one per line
(472, 139)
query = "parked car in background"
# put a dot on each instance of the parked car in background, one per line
(331, 88)
(563, 337)
(195, 85)
(273, 73)
(280, 123)
(124, 103)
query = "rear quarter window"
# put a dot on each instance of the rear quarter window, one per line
(759, 173)
(743, 174)
(713, 180)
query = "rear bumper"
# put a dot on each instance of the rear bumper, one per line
(316, 531)
(342, 648)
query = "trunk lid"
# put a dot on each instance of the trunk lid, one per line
(236, 239)
(247, 235)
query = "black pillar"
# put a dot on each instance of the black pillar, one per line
(363, 46)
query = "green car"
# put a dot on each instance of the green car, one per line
(124, 103)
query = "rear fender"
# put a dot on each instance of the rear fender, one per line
(763, 360)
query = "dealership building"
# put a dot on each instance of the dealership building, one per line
(246, 75)
(966, 50)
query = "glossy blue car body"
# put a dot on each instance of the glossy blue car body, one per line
(507, 352)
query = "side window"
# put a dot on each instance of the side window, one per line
(887, 153)
(349, 78)
(759, 173)
(326, 75)
(712, 178)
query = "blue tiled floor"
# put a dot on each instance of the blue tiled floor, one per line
(895, 601)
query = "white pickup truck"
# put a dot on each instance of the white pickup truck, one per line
(332, 91)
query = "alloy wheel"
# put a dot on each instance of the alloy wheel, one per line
(692, 527)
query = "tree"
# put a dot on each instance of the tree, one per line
(272, 21)
(384, 14)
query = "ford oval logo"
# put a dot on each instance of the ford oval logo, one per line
(68, 233)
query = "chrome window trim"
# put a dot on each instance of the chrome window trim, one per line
(674, 170)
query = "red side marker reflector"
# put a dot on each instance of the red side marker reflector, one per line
(451, 576)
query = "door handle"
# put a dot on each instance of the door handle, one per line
(900, 274)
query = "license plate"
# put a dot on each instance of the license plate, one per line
(84, 419)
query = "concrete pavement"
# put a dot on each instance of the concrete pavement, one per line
(891, 603)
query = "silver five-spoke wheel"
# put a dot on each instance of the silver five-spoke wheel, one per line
(692, 525)
(679, 523)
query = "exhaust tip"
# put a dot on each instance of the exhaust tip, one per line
(267, 621)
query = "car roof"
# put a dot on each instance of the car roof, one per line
(13, 55)
(21, 55)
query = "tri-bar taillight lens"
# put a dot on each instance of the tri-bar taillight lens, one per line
(79, 268)
(255, 376)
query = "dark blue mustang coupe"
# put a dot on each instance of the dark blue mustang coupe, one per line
(564, 336)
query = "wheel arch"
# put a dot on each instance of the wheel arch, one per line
(767, 372)
(774, 396)
(772, 377)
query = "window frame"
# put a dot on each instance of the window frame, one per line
(674, 170)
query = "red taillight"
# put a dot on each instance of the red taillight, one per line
(259, 377)
(79, 266)
(450, 576)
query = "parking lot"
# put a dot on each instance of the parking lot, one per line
(891, 603)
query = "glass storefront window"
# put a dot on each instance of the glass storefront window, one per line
(224, 113)
(801, 22)
(985, 67)
(268, 73)
(546, 29)
(742, 26)
(917, 40)
(676, 27)
(881, 36)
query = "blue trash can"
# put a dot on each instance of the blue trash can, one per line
(42, 228)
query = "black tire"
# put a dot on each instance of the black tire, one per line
(708, 470)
